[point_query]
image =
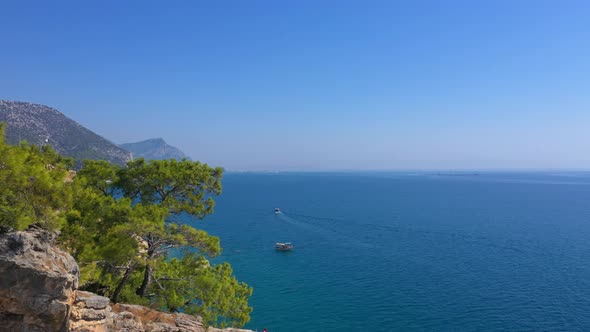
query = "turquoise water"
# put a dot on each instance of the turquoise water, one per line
(410, 252)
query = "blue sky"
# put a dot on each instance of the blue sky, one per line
(315, 85)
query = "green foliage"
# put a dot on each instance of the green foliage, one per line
(35, 188)
(212, 292)
(99, 175)
(181, 186)
(120, 225)
(122, 230)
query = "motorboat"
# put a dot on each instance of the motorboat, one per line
(277, 210)
(284, 246)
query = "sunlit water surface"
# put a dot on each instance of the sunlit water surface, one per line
(410, 251)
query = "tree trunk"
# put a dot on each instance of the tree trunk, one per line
(147, 279)
(121, 284)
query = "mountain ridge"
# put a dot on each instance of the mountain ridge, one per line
(154, 149)
(40, 124)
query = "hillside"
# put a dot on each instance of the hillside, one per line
(155, 148)
(39, 124)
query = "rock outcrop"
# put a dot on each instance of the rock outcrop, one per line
(38, 293)
(37, 282)
(153, 320)
(94, 313)
(90, 312)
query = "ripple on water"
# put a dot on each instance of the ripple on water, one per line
(410, 253)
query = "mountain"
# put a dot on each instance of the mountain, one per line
(155, 148)
(39, 124)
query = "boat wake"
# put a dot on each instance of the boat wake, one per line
(372, 234)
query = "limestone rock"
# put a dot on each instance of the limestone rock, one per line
(152, 320)
(37, 282)
(38, 293)
(90, 313)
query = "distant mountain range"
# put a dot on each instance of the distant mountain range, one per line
(155, 148)
(39, 124)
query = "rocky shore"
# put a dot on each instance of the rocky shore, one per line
(39, 292)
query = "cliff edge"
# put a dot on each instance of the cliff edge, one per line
(39, 293)
(37, 282)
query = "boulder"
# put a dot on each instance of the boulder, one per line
(37, 282)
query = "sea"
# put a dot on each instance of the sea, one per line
(409, 251)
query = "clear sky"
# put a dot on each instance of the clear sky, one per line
(315, 85)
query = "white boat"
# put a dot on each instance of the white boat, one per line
(277, 210)
(284, 246)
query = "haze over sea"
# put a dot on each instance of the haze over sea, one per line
(410, 252)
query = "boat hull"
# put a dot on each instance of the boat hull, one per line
(280, 246)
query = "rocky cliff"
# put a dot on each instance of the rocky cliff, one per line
(37, 283)
(39, 125)
(39, 293)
